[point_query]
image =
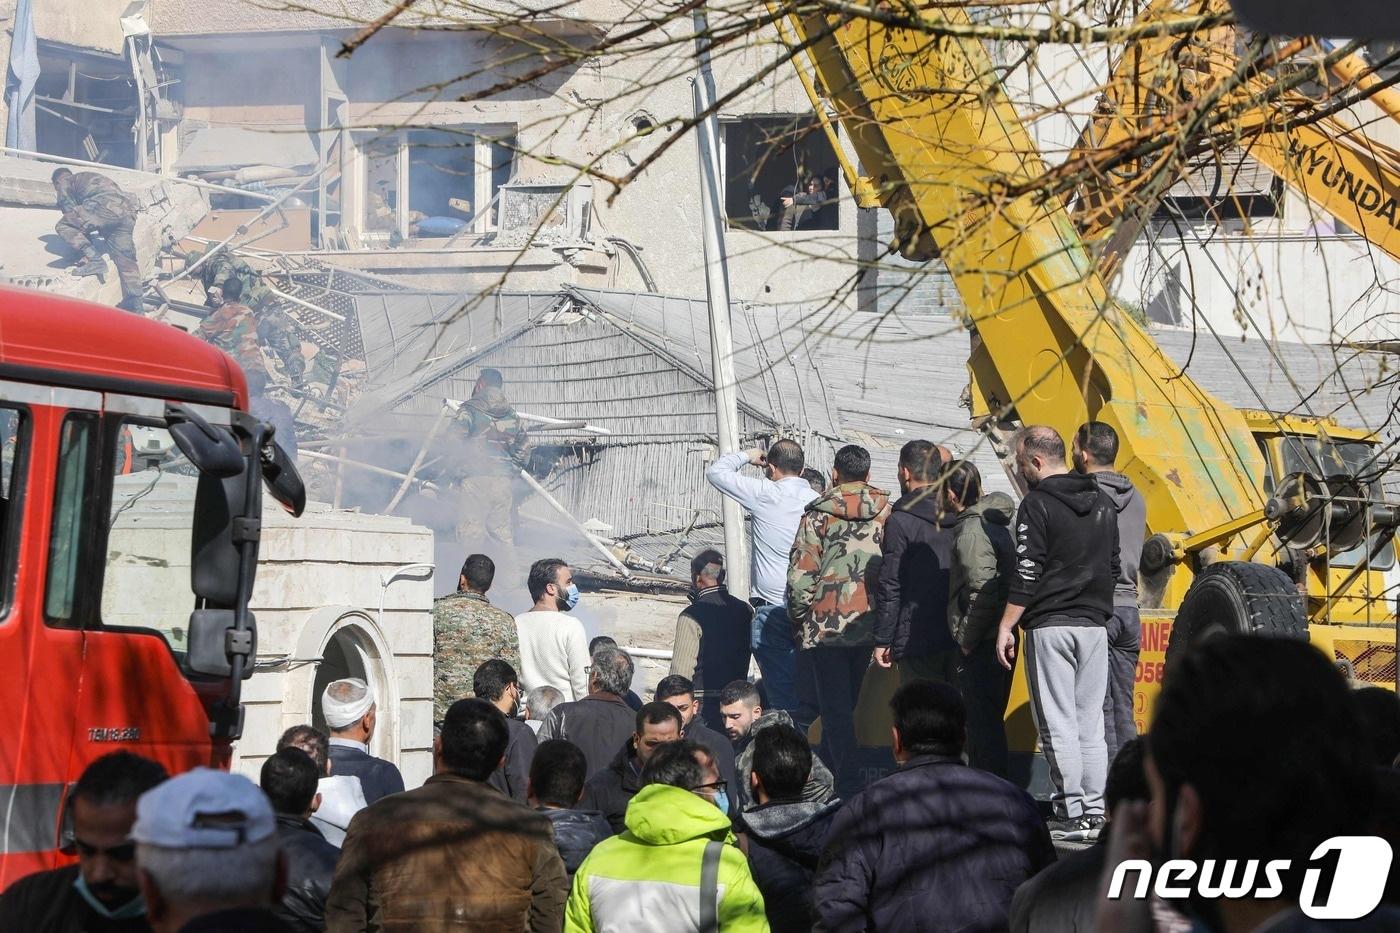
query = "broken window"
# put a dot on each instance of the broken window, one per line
(85, 106)
(780, 174)
(450, 177)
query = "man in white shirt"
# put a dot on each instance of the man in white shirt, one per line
(553, 647)
(775, 505)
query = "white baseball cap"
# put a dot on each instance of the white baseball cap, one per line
(204, 809)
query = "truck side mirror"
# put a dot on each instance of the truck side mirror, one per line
(213, 452)
(282, 480)
(213, 643)
(221, 524)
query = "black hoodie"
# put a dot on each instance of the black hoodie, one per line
(911, 597)
(1066, 553)
(785, 844)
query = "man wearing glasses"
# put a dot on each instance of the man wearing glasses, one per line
(99, 894)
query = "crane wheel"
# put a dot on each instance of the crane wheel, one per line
(1237, 598)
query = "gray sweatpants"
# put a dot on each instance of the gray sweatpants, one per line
(1067, 673)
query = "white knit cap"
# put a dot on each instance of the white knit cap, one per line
(355, 699)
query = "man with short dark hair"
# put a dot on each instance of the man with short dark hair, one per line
(601, 722)
(1062, 598)
(835, 556)
(936, 845)
(712, 635)
(679, 692)
(677, 867)
(454, 848)
(489, 451)
(911, 625)
(233, 329)
(467, 632)
(352, 715)
(786, 834)
(100, 894)
(288, 778)
(608, 791)
(775, 505)
(496, 683)
(557, 777)
(341, 794)
(814, 479)
(553, 646)
(1245, 729)
(744, 718)
(1095, 453)
(93, 203)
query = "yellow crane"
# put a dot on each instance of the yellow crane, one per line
(1264, 111)
(1232, 496)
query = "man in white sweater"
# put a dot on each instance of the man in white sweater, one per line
(553, 647)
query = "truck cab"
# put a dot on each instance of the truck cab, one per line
(127, 542)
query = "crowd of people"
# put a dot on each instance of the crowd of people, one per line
(562, 800)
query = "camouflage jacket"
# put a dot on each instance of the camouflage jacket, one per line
(278, 333)
(225, 266)
(493, 436)
(89, 200)
(834, 564)
(233, 329)
(467, 632)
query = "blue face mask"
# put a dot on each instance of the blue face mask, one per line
(722, 800)
(570, 598)
(129, 911)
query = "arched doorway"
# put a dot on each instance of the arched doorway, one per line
(353, 647)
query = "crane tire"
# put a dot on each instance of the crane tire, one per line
(1237, 598)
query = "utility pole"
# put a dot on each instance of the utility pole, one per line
(736, 552)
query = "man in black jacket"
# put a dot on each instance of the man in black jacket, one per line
(600, 722)
(289, 779)
(99, 894)
(1062, 597)
(496, 682)
(556, 786)
(911, 626)
(678, 691)
(936, 845)
(786, 834)
(711, 647)
(609, 790)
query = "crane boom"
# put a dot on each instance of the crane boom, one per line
(945, 151)
(1338, 168)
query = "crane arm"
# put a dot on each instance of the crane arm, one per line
(943, 148)
(1332, 165)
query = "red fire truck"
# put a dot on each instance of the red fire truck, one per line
(131, 479)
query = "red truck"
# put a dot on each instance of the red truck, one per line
(131, 480)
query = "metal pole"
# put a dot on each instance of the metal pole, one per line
(588, 536)
(717, 293)
(192, 182)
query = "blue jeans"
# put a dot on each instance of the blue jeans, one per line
(775, 652)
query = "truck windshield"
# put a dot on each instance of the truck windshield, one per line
(1352, 458)
(150, 525)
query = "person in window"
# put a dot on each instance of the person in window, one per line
(807, 210)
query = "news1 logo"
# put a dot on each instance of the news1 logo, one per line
(1342, 880)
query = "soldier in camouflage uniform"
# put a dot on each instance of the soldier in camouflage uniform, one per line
(491, 452)
(92, 202)
(276, 330)
(831, 575)
(467, 632)
(233, 329)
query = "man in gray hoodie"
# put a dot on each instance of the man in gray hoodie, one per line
(1095, 452)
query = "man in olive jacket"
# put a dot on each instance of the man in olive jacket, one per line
(984, 558)
(454, 854)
